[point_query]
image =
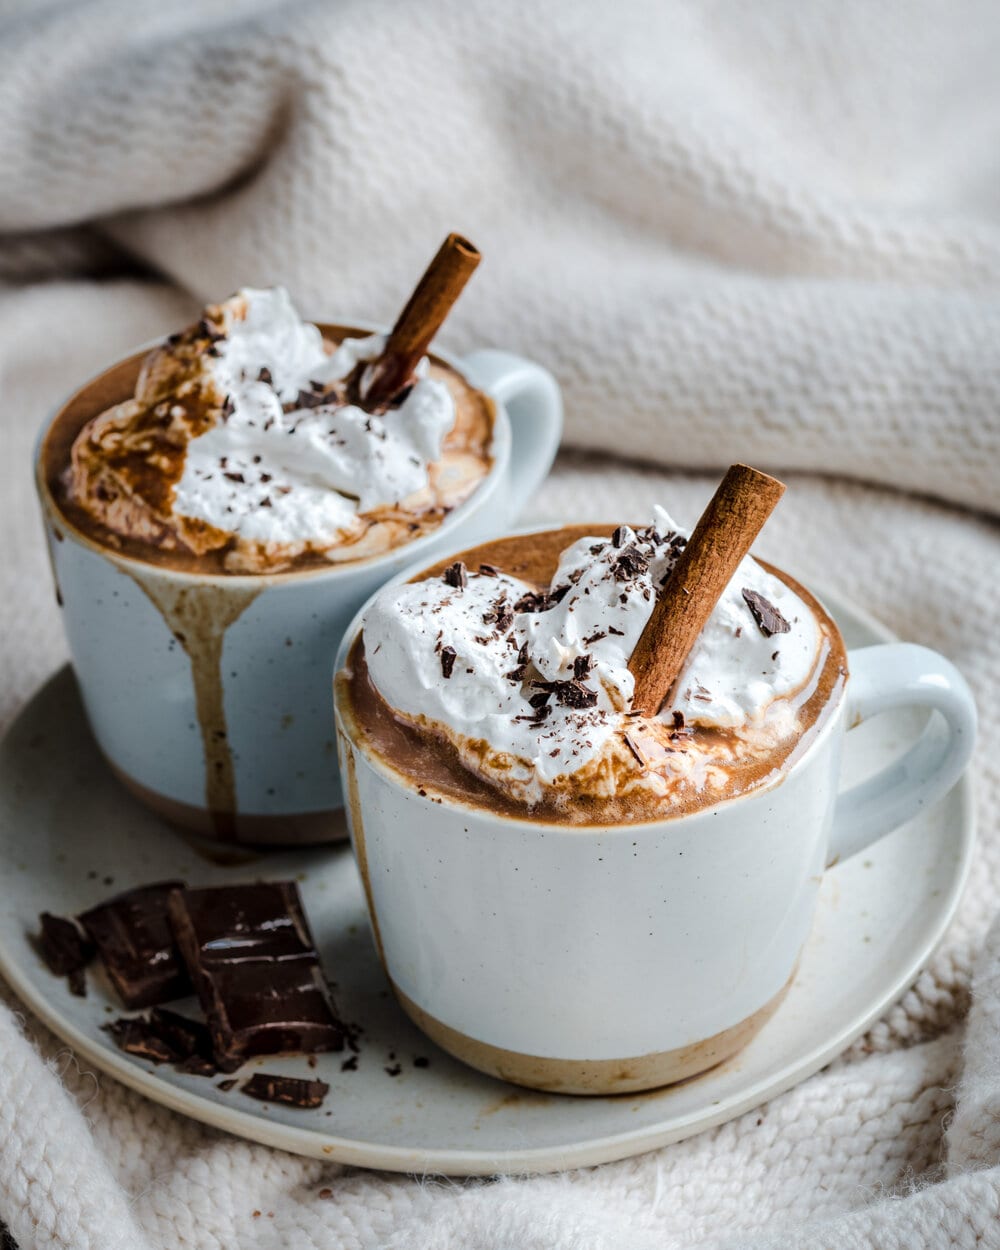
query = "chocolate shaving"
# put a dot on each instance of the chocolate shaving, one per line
(596, 636)
(291, 1091)
(570, 693)
(265, 376)
(619, 536)
(629, 565)
(639, 757)
(769, 619)
(448, 657)
(678, 719)
(533, 601)
(501, 614)
(455, 576)
(619, 633)
(583, 666)
(489, 570)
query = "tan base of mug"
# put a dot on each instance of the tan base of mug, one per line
(593, 1076)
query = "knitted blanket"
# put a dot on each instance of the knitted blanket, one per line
(735, 232)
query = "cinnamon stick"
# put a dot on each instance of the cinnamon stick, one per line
(419, 321)
(727, 529)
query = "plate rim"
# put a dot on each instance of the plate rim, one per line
(432, 1161)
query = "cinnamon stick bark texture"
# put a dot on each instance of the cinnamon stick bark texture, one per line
(725, 533)
(419, 321)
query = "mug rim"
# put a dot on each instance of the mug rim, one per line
(500, 451)
(834, 713)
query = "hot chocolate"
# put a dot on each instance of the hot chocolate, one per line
(245, 444)
(502, 679)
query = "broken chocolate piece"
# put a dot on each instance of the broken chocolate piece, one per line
(186, 1037)
(165, 1037)
(769, 619)
(65, 950)
(136, 946)
(448, 657)
(137, 1036)
(290, 1091)
(455, 575)
(255, 969)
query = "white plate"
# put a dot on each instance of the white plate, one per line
(70, 836)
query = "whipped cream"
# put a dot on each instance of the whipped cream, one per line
(534, 688)
(285, 464)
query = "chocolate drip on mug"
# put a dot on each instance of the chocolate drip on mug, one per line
(198, 617)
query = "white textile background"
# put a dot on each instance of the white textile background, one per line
(736, 232)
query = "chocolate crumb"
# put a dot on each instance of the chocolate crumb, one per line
(769, 619)
(678, 719)
(394, 1070)
(448, 657)
(489, 570)
(291, 1091)
(421, 1062)
(226, 1085)
(455, 575)
(265, 376)
(620, 633)
(582, 667)
(63, 946)
(775, 654)
(618, 537)
(350, 1065)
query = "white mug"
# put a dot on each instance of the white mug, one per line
(209, 695)
(599, 960)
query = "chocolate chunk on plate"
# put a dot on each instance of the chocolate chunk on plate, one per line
(134, 941)
(137, 1037)
(291, 1091)
(256, 971)
(66, 950)
(165, 1037)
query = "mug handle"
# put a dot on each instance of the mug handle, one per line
(898, 675)
(533, 401)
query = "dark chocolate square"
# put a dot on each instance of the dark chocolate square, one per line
(256, 971)
(136, 945)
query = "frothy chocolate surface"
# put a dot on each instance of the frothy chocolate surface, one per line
(698, 766)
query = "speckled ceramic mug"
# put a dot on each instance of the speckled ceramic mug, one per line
(209, 695)
(593, 959)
